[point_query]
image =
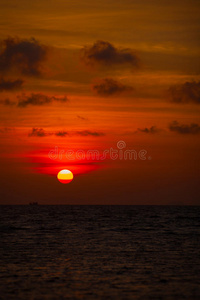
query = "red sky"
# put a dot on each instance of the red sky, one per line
(84, 76)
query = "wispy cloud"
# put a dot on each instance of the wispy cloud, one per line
(35, 99)
(189, 92)
(151, 130)
(109, 87)
(61, 133)
(90, 133)
(7, 102)
(38, 99)
(9, 85)
(37, 132)
(82, 118)
(40, 132)
(192, 128)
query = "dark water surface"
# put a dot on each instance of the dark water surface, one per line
(99, 252)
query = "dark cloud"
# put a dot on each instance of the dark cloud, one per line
(61, 133)
(38, 99)
(104, 53)
(192, 128)
(109, 87)
(82, 118)
(9, 85)
(189, 92)
(7, 102)
(22, 55)
(92, 133)
(39, 132)
(152, 130)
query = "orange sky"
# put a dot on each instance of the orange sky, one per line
(84, 76)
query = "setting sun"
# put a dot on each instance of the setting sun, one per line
(65, 176)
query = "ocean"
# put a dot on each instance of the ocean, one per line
(99, 252)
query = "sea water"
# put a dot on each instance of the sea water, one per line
(99, 252)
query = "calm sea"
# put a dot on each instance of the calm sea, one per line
(99, 252)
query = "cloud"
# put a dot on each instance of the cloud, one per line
(109, 87)
(38, 99)
(9, 85)
(7, 102)
(61, 133)
(88, 133)
(104, 53)
(189, 92)
(22, 55)
(151, 130)
(193, 128)
(38, 132)
(82, 118)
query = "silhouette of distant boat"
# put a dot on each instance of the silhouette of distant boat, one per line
(33, 203)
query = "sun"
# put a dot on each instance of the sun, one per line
(65, 176)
